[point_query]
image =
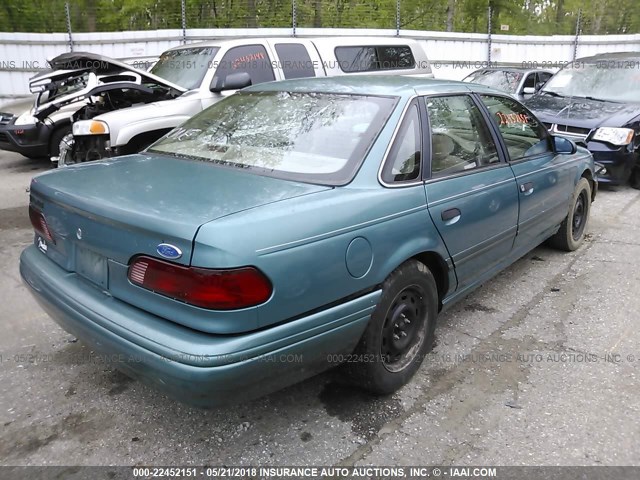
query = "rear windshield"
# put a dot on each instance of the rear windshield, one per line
(308, 137)
(185, 67)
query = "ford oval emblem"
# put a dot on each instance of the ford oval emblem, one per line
(168, 251)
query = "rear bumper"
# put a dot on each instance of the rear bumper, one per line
(197, 368)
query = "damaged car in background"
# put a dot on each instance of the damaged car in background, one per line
(74, 90)
(518, 82)
(595, 101)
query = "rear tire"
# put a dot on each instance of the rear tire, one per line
(400, 332)
(573, 228)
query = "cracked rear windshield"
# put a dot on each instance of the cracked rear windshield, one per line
(310, 137)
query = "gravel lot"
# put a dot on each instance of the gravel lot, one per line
(540, 366)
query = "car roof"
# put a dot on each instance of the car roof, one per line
(330, 40)
(392, 85)
(610, 56)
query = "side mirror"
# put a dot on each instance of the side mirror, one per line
(233, 81)
(564, 145)
(528, 90)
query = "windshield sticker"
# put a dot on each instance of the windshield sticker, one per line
(513, 118)
(245, 59)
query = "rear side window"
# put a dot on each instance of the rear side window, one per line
(294, 60)
(252, 59)
(370, 59)
(403, 162)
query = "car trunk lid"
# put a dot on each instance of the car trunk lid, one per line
(116, 209)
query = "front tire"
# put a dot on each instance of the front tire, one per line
(56, 137)
(573, 228)
(400, 332)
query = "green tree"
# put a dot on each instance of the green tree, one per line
(541, 17)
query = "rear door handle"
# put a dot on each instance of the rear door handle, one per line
(527, 188)
(451, 215)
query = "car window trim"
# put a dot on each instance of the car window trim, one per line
(503, 153)
(498, 145)
(425, 161)
(497, 129)
(385, 158)
(464, 173)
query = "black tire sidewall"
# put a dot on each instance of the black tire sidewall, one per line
(582, 186)
(56, 137)
(373, 374)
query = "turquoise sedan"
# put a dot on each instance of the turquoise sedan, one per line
(299, 225)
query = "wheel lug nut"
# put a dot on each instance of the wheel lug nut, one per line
(396, 337)
(403, 333)
(407, 321)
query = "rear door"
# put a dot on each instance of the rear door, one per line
(544, 179)
(297, 58)
(471, 193)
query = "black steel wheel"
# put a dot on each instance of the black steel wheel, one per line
(579, 219)
(400, 332)
(572, 230)
(403, 331)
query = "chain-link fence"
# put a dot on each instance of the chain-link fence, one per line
(517, 17)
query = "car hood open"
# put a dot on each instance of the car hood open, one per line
(101, 65)
(95, 74)
(150, 199)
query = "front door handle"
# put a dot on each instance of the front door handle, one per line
(451, 215)
(527, 188)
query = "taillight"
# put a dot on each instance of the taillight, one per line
(203, 287)
(40, 224)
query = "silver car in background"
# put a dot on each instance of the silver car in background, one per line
(520, 83)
